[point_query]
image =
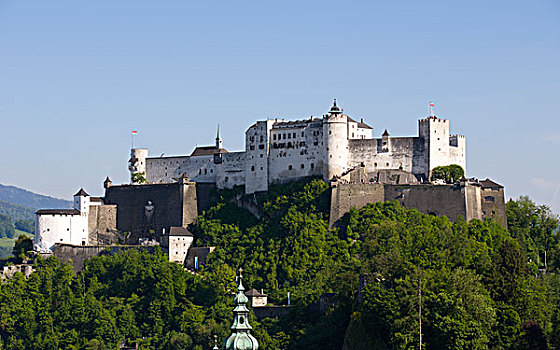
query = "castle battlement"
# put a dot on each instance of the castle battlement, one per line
(278, 151)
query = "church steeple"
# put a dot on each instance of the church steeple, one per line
(218, 138)
(241, 338)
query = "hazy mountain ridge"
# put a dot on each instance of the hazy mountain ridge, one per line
(17, 212)
(25, 198)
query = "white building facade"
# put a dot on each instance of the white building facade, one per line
(279, 151)
(63, 225)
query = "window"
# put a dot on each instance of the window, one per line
(294, 135)
(261, 146)
(312, 165)
(387, 164)
(261, 138)
(284, 136)
(302, 134)
(289, 136)
(302, 166)
(290, 167)
(261, 155)
(274, 137)
(252, 168)
(489, 198)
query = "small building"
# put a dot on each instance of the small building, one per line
(176, 243)
(258, 299)
(197, 256)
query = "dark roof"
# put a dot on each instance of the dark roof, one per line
(179, 231)
(207, 151)
(81, 193)
(385, 133)
(107, 180)
(96, 199)
(490, 184)
(335, 109)
(254, 293)
(360, 124)
(58, 211)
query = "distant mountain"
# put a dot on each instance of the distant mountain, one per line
(17, 212)
(21, 197)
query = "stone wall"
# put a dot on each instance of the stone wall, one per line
(102, 224)
(346, 196)
(77, 255)
(466, 200)
(174, 204)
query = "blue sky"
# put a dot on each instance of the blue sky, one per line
(77, 76)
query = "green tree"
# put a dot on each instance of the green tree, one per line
(6, 226)
(22, 245)
(448, 173)
(139, 178)
(25, 225)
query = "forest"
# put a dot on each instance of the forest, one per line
(359, 286)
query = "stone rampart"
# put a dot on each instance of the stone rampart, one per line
(77, 255)
(466, 200)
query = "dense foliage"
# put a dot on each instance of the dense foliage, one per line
(17, 212)
(356, 287)
(7, 229)
(448, 173)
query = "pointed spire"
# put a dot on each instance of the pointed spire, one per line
(218, 138)
(241, 338)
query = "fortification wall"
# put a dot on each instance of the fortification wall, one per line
(77, 255)
(437, 200)
(174, 204)
(102, 221)
(405, 153)
(164, 169)
(494, 205)
(346, 196)
(453, 201)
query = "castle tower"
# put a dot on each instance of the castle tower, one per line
(435, 132)
(241, 338)
(219, 139)
(107, 183)
(81, 202)
(335, 131)
(385, 141)
(137, 162)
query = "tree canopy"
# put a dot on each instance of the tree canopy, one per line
(355, 287)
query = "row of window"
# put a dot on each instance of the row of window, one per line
(288, 135)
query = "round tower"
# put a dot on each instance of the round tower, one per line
(335, 131)
(137, 162)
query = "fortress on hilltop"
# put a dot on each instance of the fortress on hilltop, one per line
(279, 151)
(166, 194)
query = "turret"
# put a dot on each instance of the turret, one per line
(107, 183)
(335, 131)
(81, 202)
(435, 132)
(385, 141)
(137, 162)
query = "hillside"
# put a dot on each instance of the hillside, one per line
(17, 212)
(21, 197)
(354, 288)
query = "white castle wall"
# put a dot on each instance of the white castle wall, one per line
(232, 170)
(63, 227)
(164, 169)
(278, 151)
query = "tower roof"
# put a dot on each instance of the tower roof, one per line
(218, 136)
(335, 109)
(385, 133)
(107, 180)
(241, 338)
(81, 193)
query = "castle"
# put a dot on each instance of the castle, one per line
(279, 151)
(167, 194)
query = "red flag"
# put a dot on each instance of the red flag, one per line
(134, 132)
(432, 104)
